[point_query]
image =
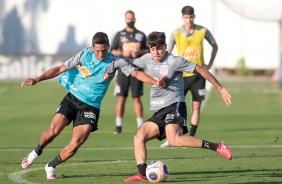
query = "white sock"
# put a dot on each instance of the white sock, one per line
(119, 122)
(139, 122)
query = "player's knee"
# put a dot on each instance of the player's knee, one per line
(139, 138)
(173, 141)
(136, 100)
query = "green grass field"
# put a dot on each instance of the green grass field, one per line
(252, 127)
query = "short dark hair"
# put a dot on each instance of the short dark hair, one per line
(156, 39)
(130, 11)
(100, 38)
(187, 10)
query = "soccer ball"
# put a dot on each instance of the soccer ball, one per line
(157, 171)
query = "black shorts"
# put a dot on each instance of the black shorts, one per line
(196, 84)
(123, 83)
(79, 112)
(173, 114)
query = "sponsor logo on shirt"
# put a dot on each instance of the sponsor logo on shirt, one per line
(187, 54)
(157, 102)
(106, 77)
(84, 71)
(131, 46)
(65, 78)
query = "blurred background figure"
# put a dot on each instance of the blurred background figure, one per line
(189, 40)
(128, 44)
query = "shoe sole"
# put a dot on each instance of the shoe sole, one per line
(24, 166)
(52, 178)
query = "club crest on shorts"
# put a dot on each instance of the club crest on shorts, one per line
(169, 117)
(202, 92)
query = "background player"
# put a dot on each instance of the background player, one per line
(128, 43)
(189, 41)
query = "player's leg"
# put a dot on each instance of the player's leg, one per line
(121, 91)
(86, 121)
(195, 117)
(79, 136)
(137, 91)
(176, 139)
(146, 132)
(187, 81)
(198, 95)
(58, 123)
(176, 126)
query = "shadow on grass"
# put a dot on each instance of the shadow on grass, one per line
(206, 176)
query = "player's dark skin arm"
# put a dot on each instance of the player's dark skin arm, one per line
(213, 54)
(209, 77)
(49, 74)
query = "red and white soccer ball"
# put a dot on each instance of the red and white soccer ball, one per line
(157, 171)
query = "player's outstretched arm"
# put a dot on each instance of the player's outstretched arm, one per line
(208, 76)
(51, 73)
(148, 79)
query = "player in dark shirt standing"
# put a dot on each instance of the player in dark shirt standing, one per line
(128, 44)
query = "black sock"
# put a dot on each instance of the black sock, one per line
(55, 162)
(193, 129)
(142, 169)
(39, 149)
(209, 145)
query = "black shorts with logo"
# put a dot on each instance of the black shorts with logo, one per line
(175, 113)
(124, 82)
(196, 84)
(79, 112)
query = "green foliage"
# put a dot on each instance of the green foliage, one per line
(241, 69)
(251, 126)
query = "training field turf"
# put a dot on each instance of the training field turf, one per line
(252, 127)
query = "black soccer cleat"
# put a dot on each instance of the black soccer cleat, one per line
(117, 130)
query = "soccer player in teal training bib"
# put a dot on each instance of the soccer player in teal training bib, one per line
(86, 76)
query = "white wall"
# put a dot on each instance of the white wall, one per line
(52, 26)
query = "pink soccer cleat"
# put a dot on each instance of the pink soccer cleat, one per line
(29, 159)
(224, 150)
(137, 177)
